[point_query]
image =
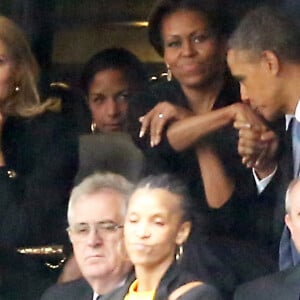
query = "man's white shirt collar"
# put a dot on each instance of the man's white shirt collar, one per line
(95, 295)
(288, 118)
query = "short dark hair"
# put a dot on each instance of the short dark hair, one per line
(267, 28)
(118, 59)
(220, 22)
(172, 184)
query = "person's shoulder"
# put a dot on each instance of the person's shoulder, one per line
(43, 121)
(77, 289)
(277, 285)
(120, 292)
(203, 291)
(116, 294)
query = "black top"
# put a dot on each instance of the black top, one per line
(164, 159)
(174, 278)
(229, 245)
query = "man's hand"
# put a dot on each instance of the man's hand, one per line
(258, 145)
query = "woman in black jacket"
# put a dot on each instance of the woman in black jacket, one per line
(37, 164)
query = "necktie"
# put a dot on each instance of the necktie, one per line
(296, 146)
(98, 298)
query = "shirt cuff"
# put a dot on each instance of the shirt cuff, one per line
(261, 184)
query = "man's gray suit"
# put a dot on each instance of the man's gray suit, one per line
(284, 285)
(73, 290)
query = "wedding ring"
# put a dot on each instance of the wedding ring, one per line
(160, 115)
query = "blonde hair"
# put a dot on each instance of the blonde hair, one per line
(25, 100)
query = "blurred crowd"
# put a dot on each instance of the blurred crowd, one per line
(184, 187)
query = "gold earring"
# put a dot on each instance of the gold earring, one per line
(179, 253)
(169, 73)
(93, 127)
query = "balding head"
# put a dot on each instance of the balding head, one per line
(292, 206)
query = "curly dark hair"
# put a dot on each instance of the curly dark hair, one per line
(218, 18)
(172, 184)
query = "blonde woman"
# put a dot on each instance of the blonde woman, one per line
(37, 165)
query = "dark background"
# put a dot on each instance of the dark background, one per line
(64, 34)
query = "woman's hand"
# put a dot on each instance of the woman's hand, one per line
(159, 117)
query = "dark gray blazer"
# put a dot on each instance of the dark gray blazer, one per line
(284, 285)
(76, 290)
(73, 290)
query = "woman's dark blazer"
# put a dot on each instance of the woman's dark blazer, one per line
(174, 278)
(163, 158)
(43, 154)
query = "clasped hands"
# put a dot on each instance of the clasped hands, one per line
(257, 145)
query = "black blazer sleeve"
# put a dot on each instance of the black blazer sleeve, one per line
(33, 204)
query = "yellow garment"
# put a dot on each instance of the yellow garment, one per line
(133, 294)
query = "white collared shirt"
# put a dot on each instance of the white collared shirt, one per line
(261, 184)
(95, 295)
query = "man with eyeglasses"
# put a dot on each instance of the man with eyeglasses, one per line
(96, 214)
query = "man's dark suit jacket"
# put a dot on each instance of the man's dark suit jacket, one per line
(73, 290)
(284, 285)
(76, 290)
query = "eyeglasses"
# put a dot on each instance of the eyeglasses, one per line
(82, 230)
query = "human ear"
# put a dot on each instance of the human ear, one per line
(70, 235)
(288, 222)
(183, 232)
(271, 62)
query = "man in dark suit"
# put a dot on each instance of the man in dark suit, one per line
(285, 284)
(264, 55)
(282, 285)
(96, 215)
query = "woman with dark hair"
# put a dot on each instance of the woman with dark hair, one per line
(108, 80)
(157, 224)
(186, 129)
(189, 119)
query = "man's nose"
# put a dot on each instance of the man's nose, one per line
(244, 94)
(94, 237)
